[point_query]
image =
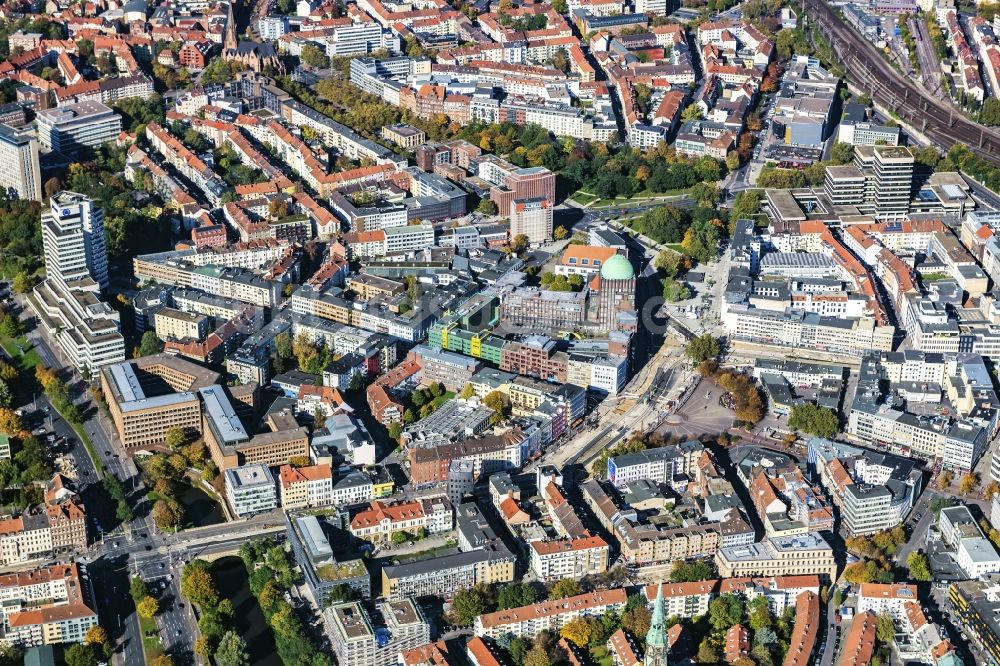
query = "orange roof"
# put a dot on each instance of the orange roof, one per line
(624, 649)
(554, 607)
(394, 511)
(510, 508)
(905, 591)
(290, 474)
(483, 654)
(565, 545)
(588, 252)
(804, 632)
(859, 645)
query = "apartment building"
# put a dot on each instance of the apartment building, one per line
(662, 464)
(250, 490)
(305, 487)
(531, 218)
(140, 409)
(443, 576)
(46, 606)
(381, 520)
(785, 556)
(805, 630)
(72, 128)
(20, 173)
(357, 640)
(58, 524)
(409, 238)
(553, 615)
(891, 598)
(569, 558)
(172, 324)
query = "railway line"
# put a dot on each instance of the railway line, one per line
(941, 123)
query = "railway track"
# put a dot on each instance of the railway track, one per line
(937, 120)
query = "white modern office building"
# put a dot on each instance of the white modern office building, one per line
(20, 174)
(73, 127)
(251, 489)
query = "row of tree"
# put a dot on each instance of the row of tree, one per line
(271, 575)
(217, 639)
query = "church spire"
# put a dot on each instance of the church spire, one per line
(656, 637)
(230, 43)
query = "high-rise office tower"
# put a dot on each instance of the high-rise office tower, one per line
(73, 239)
(20, 174)
(67, 302)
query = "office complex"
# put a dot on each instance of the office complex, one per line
(20, 173)
(250, 489)
(151, 395)
(68, 301)
(785, 556)
(72, 128)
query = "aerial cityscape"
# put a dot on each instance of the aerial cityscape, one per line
(499, 332)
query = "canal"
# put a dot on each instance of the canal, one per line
(200, 509)
(248, 621)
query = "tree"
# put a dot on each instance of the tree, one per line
(537, 656)
(232, 651)
(80, 654)
(691, 112)
(486, 207)
(991, 489)
(519, 244)
(565, 587)
(314, 57)
(148, 607)
(175, 439)
(579, 631)
(518, 649)
(674, 291)
(944, 480)
(198, 586)
(919, 566)
(10, 422)
(96, 636)
(6, 395)
(22, 283)
(636, 620)
(500, 405)
(165, 514)
(969, 483)
(687, 572)
(885, 632)
(149, 344)
(9, 326)
(703, 348)
(843, 153)
(707, 653)
(867, 571)
(468, 604)
(809, 418)
(160, 660)
(725, 611)
(560, 233)
(760, 614)
(515, 596)
(990, 113)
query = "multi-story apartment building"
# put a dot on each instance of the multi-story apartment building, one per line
(356, 639)
(663, 464)
(445, 575)
(531, 218)
(528, 621)
(172, 324)
(380, 520)
(46, 606)
(20, 173)
(786, 556)
(58, 524)
(71, 128)
(305, 487)
(569, 558)
(889, 598)
(250, 489)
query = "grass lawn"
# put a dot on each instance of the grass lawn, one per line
(676, 247)
(583, 198)
(152, 646)
(28, 358)
(599, 655)
(641, 197)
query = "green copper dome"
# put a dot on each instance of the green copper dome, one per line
(617, 268)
